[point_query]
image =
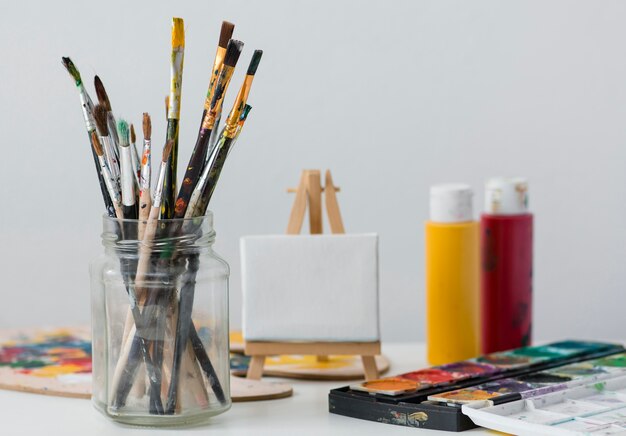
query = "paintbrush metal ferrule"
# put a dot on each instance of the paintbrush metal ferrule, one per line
(106, 173)
(112, 159)
(158, 191)
(146, 165)
(134, 156)
(176, 72)
(218, 97)
(232, 122)
(128, 182)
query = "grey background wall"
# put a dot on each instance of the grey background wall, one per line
(392, 96)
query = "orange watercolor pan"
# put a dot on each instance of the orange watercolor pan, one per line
(389, 386)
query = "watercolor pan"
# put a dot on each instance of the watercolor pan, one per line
(503, 377)
(431, 376)
(389, 386)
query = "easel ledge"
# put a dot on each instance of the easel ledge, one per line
(259, 350)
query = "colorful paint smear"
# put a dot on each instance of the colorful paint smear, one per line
(582, 346)
(506, 360)
(468, 369)
(616, 361)
(578, 370)
(47, 355)
(506, 386)
(462, 396)
(431, 376)
(545, 352)
(389, 386)
(543, 378)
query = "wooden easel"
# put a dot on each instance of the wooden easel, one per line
(309, 192)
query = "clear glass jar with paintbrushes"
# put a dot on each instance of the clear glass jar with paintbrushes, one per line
(160, 323)
(159, 291)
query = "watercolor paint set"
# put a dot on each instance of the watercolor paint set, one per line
(436, 397)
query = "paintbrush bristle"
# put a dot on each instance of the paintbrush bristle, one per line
(226, 33)
(100, 114)
(147, 126)
(103, 98)
(71, 68)
(254, 62)
(233, 50)
(133, 137)
(167, 150)
(178, 33)
(122, 132)
(95, 142)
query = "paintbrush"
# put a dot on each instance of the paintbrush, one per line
(134, 157)
(103, 99)
(100, 115)
(173, 115)
(90, 124)
(108, 177)
(206, 184)
(145, 196)
(185, 303)
(128, 180)
(196, 162)
(140, 344)
(128, 361)
(212, 172)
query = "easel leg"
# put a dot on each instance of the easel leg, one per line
(369, 367)
(255, 370)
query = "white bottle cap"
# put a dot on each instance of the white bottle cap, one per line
(506, 196)
(451, 203)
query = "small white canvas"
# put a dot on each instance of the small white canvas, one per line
(310, 287)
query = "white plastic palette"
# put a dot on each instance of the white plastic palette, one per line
(596, 408)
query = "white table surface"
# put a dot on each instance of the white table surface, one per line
(306, 412)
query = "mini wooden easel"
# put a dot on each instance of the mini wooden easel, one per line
(309, 191)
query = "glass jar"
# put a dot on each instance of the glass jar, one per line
(160, 323)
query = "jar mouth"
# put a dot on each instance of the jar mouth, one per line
(208, 217)
(125, 235)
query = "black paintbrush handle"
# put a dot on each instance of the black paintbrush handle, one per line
(183, 324)
(169, 182)
(140, 353)
(214, 174)
(205, 364)
(194, 168)
(108, 203)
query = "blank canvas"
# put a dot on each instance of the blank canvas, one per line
(310, 287)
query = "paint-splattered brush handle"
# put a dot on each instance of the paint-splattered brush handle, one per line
(108, 203)
(192, 174)
(169, 183)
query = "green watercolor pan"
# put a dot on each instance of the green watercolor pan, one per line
(433, 398)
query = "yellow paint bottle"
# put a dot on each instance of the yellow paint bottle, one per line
(452, 275)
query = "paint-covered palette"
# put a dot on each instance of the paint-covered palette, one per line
(433, 397)
(57, 361)
(46, 361)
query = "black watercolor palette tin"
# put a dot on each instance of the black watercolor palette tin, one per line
(432, 398)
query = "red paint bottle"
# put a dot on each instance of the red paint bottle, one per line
(506, 236)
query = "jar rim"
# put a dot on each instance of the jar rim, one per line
(207, 216)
